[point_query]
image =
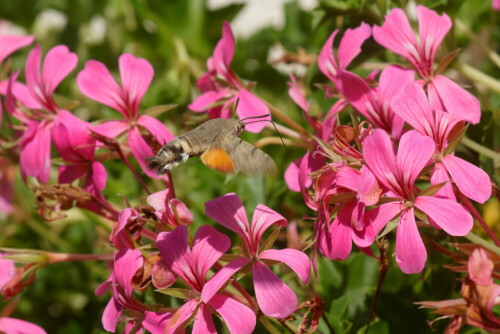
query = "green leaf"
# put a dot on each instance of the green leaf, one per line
(391, 225)
(158, 110)
(175, 292)
(432, 190)
(270, 240)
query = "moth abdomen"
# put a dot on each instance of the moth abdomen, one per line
(168, 157)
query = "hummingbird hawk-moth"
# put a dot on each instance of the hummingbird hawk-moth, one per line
(217, 143)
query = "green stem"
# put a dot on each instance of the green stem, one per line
(287, 120)
(480, 241)
(482, 150)
(268, 325)
(477, 76)
(492, 55)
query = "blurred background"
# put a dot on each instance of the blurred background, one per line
(176, 37)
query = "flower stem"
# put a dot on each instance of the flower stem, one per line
(268, 325)
(288, 121)
(480, 219)
(482, 150)
(492, 55)
(478, 76)
(277, 141)
(64, 257)
(480, 241)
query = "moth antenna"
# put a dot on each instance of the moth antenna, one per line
(279, 134)
(192, 162)
(250, 117)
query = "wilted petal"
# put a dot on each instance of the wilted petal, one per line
(59, 62)
(238, 317)
(274, 297)
(203, 322)
(410, 250)
(96, 83)
(396, 34)
(141, 150)
(111, 315)
(221, 277)
(248, 106)
(263, 217)
(136, 75)
(155, 322)
(17, 326)
(298, 261)
(326, 61)
(350, 44)
(456, 99)
(414, 153)
(228, 211)
(208, 247)
(11, 43)
(161, 276)
(156, 128)
(379, 157)
(452, 217)
(182, 315)
(432, 29)
(471, 180)
(480, 267)
(127, 262)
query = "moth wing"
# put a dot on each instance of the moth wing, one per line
(247, 158)
(217, 158)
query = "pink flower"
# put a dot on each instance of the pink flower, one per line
(274, 297)
(17, 326)
(71, 139)
(214, 92)
(37, 96)
(374, 103)
(414, 108)
(192, 267)
(127, 262)
(170, 210)
(398, 176)
(136, 74)
(11, 43)
(397, 35)
(495, 4)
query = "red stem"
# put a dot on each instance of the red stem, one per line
(480, 219)
(137, 176)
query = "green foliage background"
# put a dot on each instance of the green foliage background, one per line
(177, 36)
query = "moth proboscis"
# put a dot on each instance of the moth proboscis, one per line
(217, 143)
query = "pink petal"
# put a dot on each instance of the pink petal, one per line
(452, 217)
(337, 243)
(410, 250)
(7, 270)
(136, 75)
(207, 99)
(263, 217)
(480, 267)
(274, 297)
(396, 34)
(495, 4)
(364, 237)
(298, 261)
(471, 180)
(11, 43)
(203, 322)
(99, 175)
(347, 178)
(96, 83)
(208, 247)
(228, 211)
(159, 199)
(432, 29)
(296, 94)
(32, 72)
(381, 215)
(456, 99)
(350, 44)
(71, 138)
(238, 317)
(141, 150)
(413, 107)
(121, 239)
(58, 63)
(155, 322)
(35, 154)
(379, 157)
(221, 277)
(439, 175)
(111, 315)
(68, 174)
(127, 262)
(23, 94)
(156, 128)
(223, 54)
(326, 60)
(292, 176)
(414, 153)
(183, 214)
(17, 326)
(182, 315)
(368, 188)
(249, 105)
(111, 129)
